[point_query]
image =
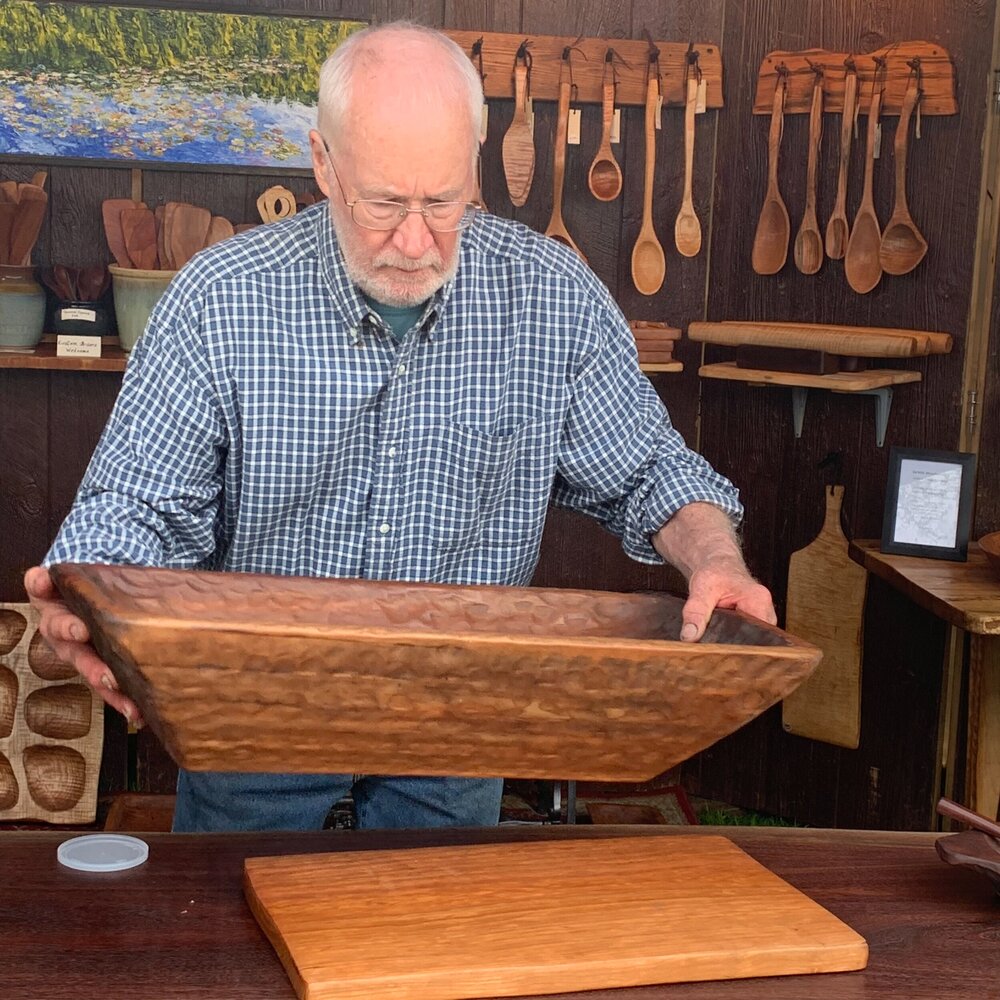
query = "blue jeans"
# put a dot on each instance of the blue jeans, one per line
(209, 801)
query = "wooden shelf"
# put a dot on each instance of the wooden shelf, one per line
(876, 382)
(668, 366)
(44, 357)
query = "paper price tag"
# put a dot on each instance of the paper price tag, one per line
(484, 123)
(87, 315)
(68, 346)
(701, 104)
(878, 141)
(659, 107)
(616, 126)
(573, 131)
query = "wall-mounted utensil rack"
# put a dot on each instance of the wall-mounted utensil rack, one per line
(937, 78)
(498, 51)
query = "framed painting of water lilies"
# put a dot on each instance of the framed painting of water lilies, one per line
(151, 84)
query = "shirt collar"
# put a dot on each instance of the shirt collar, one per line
(347, 298)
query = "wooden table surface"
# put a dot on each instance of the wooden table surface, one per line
(964, 594)
(178, 926)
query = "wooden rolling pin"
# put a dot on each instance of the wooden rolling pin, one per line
(851, 341)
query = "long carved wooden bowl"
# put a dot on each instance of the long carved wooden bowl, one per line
(238, 671)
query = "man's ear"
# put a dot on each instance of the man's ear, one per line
(320, 161)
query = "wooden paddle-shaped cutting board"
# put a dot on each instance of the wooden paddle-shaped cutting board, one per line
(492, 920)
(826, 598)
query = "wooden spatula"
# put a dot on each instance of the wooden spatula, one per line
(111, 213)
(158, 218)
(188, 232)
(7, 212)
(139, 234)
(518, 143)
(219, 229)
(8, 191)
(27, 223)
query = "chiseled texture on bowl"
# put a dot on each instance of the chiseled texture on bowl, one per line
(270, 673)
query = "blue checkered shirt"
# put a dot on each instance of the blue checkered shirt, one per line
(269, 422)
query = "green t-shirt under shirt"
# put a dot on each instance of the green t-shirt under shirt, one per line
(399, 319)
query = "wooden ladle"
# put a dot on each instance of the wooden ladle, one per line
(605, 176)
(770, 242)
(861, 262)
(837, 230)
(649, 266)
(556, 227)
(808, 249)
(903, 246)
(518, 142)
(687, 228)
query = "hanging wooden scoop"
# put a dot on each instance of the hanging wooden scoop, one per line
(837, 230)
(649, 266)
(770, 243)
(808, 250)
(518, 143)
(687, 228)
(605, 176)
(903, 246)
(556, 227)
(861, 263)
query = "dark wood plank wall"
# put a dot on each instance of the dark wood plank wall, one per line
(51, 422)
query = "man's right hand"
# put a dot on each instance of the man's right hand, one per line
(69, 639)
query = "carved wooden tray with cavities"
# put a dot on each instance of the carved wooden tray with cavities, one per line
(237, 671)
(51, 728)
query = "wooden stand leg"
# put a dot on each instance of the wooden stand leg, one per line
(983, 778)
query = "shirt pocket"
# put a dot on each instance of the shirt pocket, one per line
(479, 486)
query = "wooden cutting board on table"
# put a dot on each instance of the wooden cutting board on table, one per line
(826, 599)
(491, 920)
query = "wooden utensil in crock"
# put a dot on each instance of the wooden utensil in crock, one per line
(687, 228)
(649, 266)
(903, 246)
(861, 262)
(770, 242)
(837, 228)
(808, 250)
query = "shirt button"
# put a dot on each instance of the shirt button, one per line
(392, 453)
(401, 369)
(384, 529)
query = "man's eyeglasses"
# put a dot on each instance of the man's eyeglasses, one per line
(374, 213)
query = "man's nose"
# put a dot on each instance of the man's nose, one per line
(412, 236)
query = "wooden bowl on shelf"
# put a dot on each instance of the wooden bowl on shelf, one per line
(245, 672)
(990, 544)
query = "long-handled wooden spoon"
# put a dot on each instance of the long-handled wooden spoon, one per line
(556, 227)
(861, 262)
(903, 245)
(605, 176)
(808, 250)
(687, 228)
(518, 142)
(770, 242)
(837, 229)
(649, 266)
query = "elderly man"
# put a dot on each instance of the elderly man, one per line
(390, 385)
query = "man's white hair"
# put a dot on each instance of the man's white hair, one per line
(336, 77)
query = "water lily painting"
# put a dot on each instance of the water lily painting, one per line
(109, 82)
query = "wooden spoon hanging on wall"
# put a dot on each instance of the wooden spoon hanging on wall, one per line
(605, 176)
(687, 228)
(556, 227)
(808, 250)
(770, 242)
(861, 263)
(837, 229)
(649, 266)
(518, 143)
(903, 245)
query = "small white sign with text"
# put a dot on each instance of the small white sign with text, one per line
(69, 346)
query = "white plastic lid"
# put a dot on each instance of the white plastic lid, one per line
(102, 852)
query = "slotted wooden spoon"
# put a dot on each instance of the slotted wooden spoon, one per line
(605, 176)
(837, 229)
(903, 245)
(770, 242)
(518, 142)
(556, 227)
(861, 262)
(649, 266)
(808, 249)
(687, 228)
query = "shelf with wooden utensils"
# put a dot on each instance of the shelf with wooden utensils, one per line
(894, 64)
(655, 344)
(806, 356)
(44, 358)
